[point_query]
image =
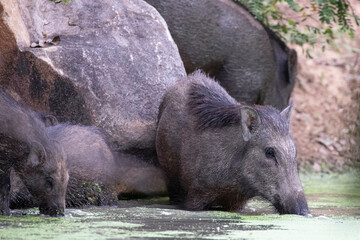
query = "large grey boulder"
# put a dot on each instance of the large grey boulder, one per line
(103, 63)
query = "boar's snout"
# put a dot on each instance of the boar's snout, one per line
(293, 204)
(52, 210)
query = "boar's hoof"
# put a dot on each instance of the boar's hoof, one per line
(5, 212)
(4, 206)
(51, 211)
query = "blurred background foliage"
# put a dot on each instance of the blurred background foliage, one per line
(308, 23)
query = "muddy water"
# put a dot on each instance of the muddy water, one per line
(333, 200)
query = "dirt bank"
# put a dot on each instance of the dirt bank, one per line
(326, 120)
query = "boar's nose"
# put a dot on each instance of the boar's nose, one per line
(52, 210)
(297, 205)
(293, 204)
(301, 204)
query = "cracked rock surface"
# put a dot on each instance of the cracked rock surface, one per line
(110, 68)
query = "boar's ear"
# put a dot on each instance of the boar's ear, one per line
(292, 64)
(37, 154)
(286, 113)
(250, 122)
(50, 120)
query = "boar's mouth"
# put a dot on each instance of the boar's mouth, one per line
(292, 205)
(53, 211)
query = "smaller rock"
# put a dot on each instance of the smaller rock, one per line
(252, 209)
(323, 218)
(317, 167)
(41, 43)
(338, 147)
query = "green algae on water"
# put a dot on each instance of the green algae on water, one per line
(334, 201)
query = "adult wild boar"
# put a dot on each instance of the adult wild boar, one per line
(223, 39)
(216, 151)
(40, 161)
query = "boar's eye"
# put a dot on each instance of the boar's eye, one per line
(270, 153)
(50, 182)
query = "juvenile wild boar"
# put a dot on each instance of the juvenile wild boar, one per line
(98, 175)
(93, 164)
(38, 160)
(216, 151)
(223, 39)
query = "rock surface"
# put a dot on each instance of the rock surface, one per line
(110, 68)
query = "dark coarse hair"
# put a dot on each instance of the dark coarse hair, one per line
(211, 105)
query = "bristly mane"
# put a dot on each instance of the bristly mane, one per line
(211, 105)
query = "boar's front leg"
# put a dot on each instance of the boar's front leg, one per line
(176, 192)
(4, 192)
(233, 202)
(199, 200)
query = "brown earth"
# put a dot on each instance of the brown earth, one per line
(326, 120)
